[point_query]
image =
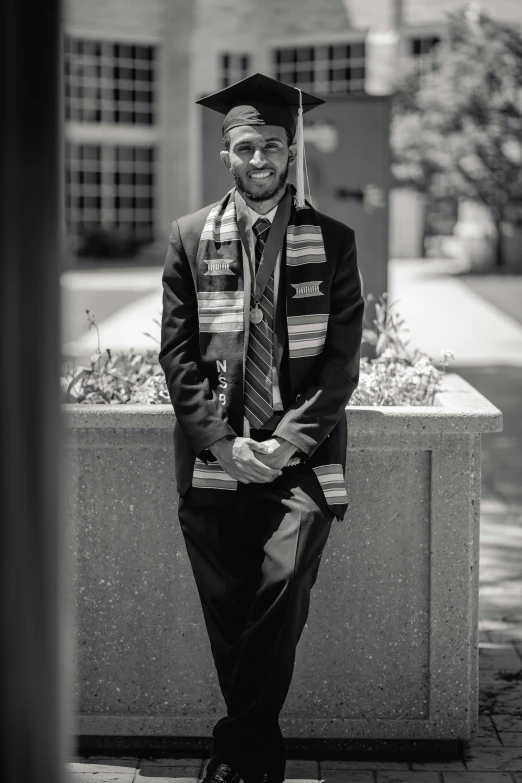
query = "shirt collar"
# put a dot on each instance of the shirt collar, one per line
(255, 215)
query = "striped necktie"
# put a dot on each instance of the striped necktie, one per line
(258, 368)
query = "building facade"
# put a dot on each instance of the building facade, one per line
(133, 70)
(126, 89)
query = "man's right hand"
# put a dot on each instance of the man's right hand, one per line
(237, 458)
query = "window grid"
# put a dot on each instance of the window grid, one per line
(330, 69)
(234, 67)
(423, 50)
(110, 187)
(109, 82)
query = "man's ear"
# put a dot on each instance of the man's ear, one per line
(225, 157)
(292, 154)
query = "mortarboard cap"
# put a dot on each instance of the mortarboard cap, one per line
(260, 100)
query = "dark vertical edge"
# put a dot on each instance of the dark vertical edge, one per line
(31, 574)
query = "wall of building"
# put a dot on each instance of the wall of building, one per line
(191, 35)
(176, 97)
(418, 12)
(253, 28)
(168, 26)
(250, 27)
(116, 17)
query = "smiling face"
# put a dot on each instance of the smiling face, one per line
(258, 157)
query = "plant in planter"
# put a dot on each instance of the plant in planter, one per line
(100, 243)
(125, 377)
(397, 376)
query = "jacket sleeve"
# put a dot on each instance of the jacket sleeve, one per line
(196, 405)
(311, 418)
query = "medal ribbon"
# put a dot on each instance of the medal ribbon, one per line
(259, 359)
(272, 247)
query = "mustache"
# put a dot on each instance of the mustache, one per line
(278, 185)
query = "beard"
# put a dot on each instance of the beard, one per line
(279, 185)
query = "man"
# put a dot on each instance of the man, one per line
(261, 331)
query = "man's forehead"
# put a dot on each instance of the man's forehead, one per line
(256, 132)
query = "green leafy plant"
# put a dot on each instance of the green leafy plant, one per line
(398, 375)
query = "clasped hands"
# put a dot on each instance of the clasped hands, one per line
(250, 461)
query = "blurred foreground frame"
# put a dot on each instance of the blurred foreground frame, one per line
(32, 572)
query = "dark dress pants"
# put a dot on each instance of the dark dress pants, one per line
(255, 563)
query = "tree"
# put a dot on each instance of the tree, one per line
(458, 130)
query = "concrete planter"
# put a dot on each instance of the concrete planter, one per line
(391, 646)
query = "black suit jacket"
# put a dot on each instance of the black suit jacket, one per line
(314, 396)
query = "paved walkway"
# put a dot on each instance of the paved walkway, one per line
(125, 303)
(443, 312)
(479, 318)
(487, 764)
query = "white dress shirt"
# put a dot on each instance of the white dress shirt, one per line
(247, 282)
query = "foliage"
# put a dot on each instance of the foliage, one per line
(456, 132)
(397, 376)
(99, 242)
(127, 377)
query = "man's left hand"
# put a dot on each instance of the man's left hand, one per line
(280, 452)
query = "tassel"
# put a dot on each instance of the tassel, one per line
(299, 174)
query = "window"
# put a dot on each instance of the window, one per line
(423, 50)
(110, 187)
(234, 67)
(109, 82)
(337, 68)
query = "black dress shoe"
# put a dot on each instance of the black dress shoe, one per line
(219, 772)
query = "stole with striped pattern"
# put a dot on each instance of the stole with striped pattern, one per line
(220, 293)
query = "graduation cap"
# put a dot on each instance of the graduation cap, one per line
(260, 100)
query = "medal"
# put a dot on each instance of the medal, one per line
(260, 277)
(256, 315)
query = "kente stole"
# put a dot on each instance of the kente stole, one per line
(220, 294)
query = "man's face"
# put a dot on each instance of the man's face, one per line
(258, 159)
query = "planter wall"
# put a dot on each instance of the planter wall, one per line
(390, 648)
